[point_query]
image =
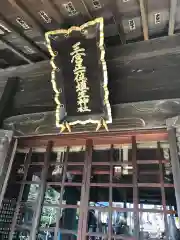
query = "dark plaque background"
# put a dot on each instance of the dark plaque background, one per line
(94, 73)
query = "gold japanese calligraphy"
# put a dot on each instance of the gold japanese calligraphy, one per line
(80, 78)
(78, 53)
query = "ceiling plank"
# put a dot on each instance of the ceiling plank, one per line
(87, 10)
(54, 10)
(21, 8)
(116, 15)
(25, 38)
(17, 52)
(173, 6)
(144, 20)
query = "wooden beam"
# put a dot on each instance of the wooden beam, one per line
(175, 165)
(6, 98)
(121, 120)
(145, 49)
(17, 52)
(27, 162)
(14, 29)
(87, 10)
(85, 190)
(116, 16)
(49, 4)
(21, 8)
(99, 138)
(62, 184)
(173, 5)
(135, 188)
(42, 189)
(144, 20)
(161, 174)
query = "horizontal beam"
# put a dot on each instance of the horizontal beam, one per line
(14, 29)
(125, 117)
(15, 51)
(97, 138)
(124, 53)
(146, 49)
(131, 105)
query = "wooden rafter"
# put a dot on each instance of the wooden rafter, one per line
(87, 10)
(19, 53)
(115, 13)
(173, 5)
(53, 10)
(25, 38)
(144, 19)
(21, 8)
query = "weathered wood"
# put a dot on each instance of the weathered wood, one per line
(7, 91)
(173, 8)
(144, 19)
(130, 82)
(19, 53)
(146, 49)
(133, 77)
(141, 115)
(23, 39)
(117, 18)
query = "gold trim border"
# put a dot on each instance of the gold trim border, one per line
(54, 69)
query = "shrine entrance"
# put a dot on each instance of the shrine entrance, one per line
(91, 186)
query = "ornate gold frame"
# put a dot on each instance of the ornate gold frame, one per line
(54, 69)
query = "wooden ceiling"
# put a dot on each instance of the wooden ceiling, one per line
(24, 22)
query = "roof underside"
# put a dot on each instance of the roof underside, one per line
(24, 22)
